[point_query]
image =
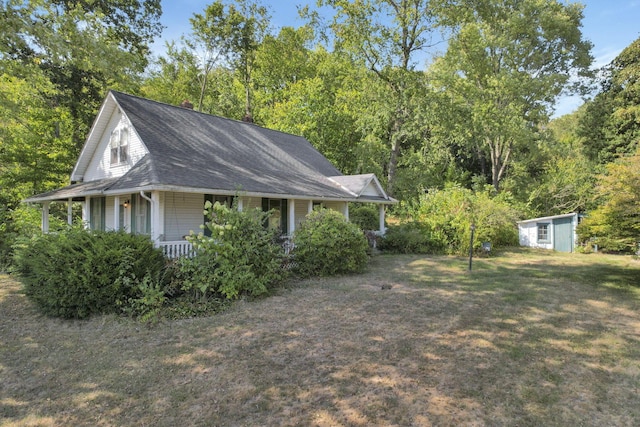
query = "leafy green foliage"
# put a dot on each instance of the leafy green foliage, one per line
(241, 257)
(505, 63)
(364, 216)
(57, 60)
(615, 224)
(445, 217)
(326, 244)
(387, 37)
(410, 238)
(76, 273)
(610, 126)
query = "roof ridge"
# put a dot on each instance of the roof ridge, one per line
(192, 111)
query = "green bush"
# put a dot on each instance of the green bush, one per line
(242, 256)
(364, 216)
(326, 244)
(75, 273)
(16, 222)
(444, 217)
(410, 238)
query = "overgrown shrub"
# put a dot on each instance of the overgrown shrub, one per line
(444, 218)
(326, 244)
(364, 216)
(18, 221)
(241, 256)
(75, 273)
(410, 238)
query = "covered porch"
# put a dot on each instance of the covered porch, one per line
(169, 216)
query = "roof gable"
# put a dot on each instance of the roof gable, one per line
(93, 162)
(185, 150)
(188, 148)
(361, 186)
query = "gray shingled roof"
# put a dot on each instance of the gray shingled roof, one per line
(189, 149)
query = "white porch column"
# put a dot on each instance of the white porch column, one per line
(345, 210)
(240, 204)
(310, 207)
(70, 211)
(116, 213)
(86, 212)
(45, 217)
(291, 206)
(381, 218)
(156, 223)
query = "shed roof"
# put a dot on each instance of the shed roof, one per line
(547, 218)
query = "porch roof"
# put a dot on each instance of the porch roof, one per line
(74, 191)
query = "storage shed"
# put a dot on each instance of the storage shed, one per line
(556, 232)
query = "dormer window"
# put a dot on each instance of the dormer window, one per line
(119, 144)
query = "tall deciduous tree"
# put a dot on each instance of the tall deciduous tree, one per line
(389, 37)
(567, 177)
(82, 47)
(506, 63)
(320, 107)
(174, 76)
(610, 126)
(231, 35)
(57, 59)
(615, 224)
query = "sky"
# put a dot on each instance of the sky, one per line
(611, 25)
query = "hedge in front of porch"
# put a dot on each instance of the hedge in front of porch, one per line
(76, 273)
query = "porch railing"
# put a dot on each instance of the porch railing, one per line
(177, 249)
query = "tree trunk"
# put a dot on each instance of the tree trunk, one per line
(393, 166)
(203, 88)
(500, 152)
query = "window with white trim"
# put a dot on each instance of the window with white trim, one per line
(543, 232)
(119, 145)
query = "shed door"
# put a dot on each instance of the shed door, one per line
(563, 235)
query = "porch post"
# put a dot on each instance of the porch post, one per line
(86, 212)
(70, 211)
(381, 218)
(45, 217)
(291, 205)
(116, 213)
(155, 217)
(310, 207)
(345, 210)
(239, 204)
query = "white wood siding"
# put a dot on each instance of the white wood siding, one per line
(336, 206)
(249, 203)
(371, 190)
(183, 212)
(100, 164)
(301, 211)
(528, 231)
(529, 235)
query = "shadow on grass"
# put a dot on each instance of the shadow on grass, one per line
(526, 339)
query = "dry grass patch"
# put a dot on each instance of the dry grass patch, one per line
(527, 338)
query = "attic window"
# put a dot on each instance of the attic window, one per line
(119, 144)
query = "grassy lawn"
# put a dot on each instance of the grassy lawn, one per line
(528, 338)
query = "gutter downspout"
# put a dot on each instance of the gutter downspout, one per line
(154, 235)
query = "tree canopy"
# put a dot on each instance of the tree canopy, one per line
(424, 93)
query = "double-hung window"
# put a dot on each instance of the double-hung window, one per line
(119, 144)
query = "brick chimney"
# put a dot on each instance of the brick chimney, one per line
(187, 104)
